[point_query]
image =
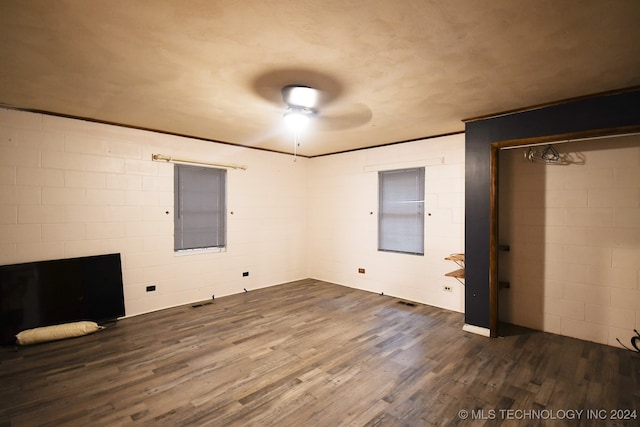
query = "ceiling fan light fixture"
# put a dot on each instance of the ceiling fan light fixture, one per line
(297, 119)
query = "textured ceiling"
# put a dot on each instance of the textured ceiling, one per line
(389, 70)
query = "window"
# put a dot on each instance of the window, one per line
(199, 206)
(401, 211)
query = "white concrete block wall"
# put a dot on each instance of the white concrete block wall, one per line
(343, 224)
(72, 188)
(574, 232)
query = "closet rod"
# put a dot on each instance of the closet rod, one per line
(165, 158)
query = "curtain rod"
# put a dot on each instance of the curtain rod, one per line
(163, 157)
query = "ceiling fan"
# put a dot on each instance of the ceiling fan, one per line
(307, 97)
(301, 102)
(304, 104)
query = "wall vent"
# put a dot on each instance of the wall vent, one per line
(410, 304)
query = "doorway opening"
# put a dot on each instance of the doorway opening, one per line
(565, 231)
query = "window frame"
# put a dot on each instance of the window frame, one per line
(389, 241)
(217, 241)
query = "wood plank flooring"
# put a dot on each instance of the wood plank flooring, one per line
(311, 353)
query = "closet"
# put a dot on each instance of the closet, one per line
(569, 238)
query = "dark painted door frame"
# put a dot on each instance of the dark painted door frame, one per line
(494, 202)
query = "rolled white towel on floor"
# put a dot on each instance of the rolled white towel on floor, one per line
(56, 332)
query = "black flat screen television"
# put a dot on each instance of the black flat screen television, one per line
(47, 293)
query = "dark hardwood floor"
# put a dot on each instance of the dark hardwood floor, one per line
(310, 353)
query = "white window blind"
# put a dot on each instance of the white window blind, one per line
(401, 211)
(200, 211)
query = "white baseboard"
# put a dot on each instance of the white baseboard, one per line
(485, 332)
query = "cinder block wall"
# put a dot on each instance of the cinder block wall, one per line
(574, 232)
(343, 209)
(71, 188)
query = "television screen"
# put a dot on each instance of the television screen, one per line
(53, 292)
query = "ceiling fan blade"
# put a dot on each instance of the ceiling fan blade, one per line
(343, 117)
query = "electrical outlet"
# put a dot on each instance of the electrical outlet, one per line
(151, 288)
(447, 288)
(361, 270)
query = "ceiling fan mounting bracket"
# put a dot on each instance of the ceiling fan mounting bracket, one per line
(300, 96)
